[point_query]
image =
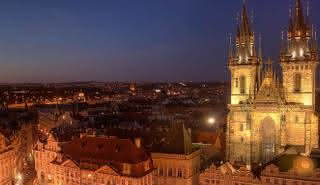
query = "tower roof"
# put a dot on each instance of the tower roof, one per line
(298, 23)
(244, 26)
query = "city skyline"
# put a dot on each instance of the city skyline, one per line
(129, 41)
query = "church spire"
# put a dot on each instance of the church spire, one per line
(298, 24)
(297, 44)
(260, 47)
(245, 27)
(245, 50)
(230, 47)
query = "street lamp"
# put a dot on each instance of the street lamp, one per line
(211, 120)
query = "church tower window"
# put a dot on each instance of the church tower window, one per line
(297, 82)
(237, 82)
(242, 85)
(241, 127)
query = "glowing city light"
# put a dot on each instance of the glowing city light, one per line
(294, 54)
(211, 120)
(19, 177)
(301, 52)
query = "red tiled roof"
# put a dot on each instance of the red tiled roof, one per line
(112, 152)
(103, 150)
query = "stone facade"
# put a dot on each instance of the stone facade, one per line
(226, 174)
(7, 161)
(92, 160)
(267, 113)
(178, 169)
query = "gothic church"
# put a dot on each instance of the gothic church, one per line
(270, 111)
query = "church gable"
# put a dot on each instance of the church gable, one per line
(270, 90)
(268, 93)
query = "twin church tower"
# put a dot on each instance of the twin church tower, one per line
(270, 111)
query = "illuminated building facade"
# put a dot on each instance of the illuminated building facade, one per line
(268, 113)
(227, 174)
(177, 162)
(93, 160)
(7, 161)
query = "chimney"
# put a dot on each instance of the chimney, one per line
(137, 142)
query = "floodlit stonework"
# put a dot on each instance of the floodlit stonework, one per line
(272, 128)
(178, 162)
(15, 145)
(226, 174)
(7, 161)
(268, 113)
(179, 169)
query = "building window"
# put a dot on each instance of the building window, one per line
(179, 173)
(267, 180)
(236, 82)
(242, 85)
(248, 126)
(241, 127)
(297, 82)
(284, 182)
(170, 172)
(160, 172)
(297, 119)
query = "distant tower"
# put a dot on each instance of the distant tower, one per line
(244, 64)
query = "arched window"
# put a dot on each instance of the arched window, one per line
(170, 172)
(242, 85)
(297, 82)
(236, 82)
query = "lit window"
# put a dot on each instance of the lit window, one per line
(294, 54)
(301, 52)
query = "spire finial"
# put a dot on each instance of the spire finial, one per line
(230, 46)
(290, 10)
(260, 46)
(308, 8)
(269, 64)
(252, 16)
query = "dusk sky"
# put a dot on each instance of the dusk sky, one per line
(129, 40)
